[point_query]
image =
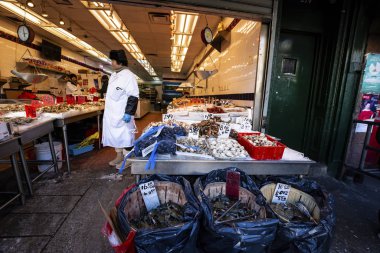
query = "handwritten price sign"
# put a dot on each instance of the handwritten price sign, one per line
(194, 132)
(149, 194)
(167, 117)
(81, 99)
(281, 193)
(59, 100)
(47, 99)
(224, 130)
(207, 116)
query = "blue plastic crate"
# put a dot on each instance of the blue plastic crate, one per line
(78, 151)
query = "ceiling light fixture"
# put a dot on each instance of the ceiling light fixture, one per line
(182, 29)
(43, 10)
(30, 3)
(61, 21)
(34, 18)
(111, 21)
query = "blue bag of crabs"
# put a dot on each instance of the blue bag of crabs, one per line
(233, 225)
(307, 218)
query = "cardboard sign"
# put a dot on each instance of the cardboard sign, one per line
(47, 99)
(233, 184)
(81, 99)
(149, 194)
(59, 100)
(146, 151)
(224, 130)
(30, 111)
(207, 116)
(281, 193)
(70, 99)
(194, 132)
(167, 117)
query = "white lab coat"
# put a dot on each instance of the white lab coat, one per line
(116, 132)
(71, 89)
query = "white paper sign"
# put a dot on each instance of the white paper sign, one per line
(207, 116)
(146, 151)
(224, 130)
(194, 132)
(167, 117)
(149, 194)
(281, 193)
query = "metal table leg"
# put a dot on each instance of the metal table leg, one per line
(26, 170)
(64, 130)
(99, 141)
(53, 155)
(18, 178)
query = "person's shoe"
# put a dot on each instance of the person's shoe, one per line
(127, 164)
(119, 158)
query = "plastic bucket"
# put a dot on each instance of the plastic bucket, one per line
(43, 153)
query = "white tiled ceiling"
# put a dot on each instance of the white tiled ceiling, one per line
(153, 39)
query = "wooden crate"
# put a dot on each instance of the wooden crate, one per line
(295, 195)
(166, 191)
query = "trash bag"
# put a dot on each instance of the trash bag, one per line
(297, 237)
(244, 236)
(180, 238)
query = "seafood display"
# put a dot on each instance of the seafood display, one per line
(190, 145)
(225, 210)
(260, 140)
(19, 121)
(226, 149)
(166, 215)
(209, 128)
(215, 110)
(13, 108)
(292, 212)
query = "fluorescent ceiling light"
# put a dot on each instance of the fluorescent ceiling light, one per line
(111, 21)
(182, 26)
(34, 18)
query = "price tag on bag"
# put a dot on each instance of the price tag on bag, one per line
(281, 193)
(30, 111)
(149, 194)
(167, 117)
(207, 116)
(224, 130)
(194, 132)
(146, 151)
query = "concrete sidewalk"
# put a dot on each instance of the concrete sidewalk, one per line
(65, 216)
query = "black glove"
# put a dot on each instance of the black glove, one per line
(131, 105)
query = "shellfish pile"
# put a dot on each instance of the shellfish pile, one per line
(209, 128)
(17, 120)
(260, 140)
(190, 145)
(226, 149)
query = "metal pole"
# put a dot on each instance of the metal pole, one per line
(18, 178)
(64, 130)
(364, 150)
(26, 170)
(53, 155)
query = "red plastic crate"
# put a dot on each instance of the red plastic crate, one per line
(262, 153)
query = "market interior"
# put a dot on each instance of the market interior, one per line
(201, 82)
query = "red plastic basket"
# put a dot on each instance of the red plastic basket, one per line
(262, 153)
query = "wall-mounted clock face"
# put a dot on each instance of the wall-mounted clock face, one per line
(25, 33)
(206, 35)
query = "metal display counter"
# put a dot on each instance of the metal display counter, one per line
(185, 166)
(63, 122)
(10, 148)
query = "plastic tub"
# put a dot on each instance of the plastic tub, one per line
(43, 153)
(262, 153)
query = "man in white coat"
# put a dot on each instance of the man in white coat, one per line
(121, 104)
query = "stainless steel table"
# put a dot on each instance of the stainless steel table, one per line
(33, 133)
(185, 166)
(62, 123)
(10, 148)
